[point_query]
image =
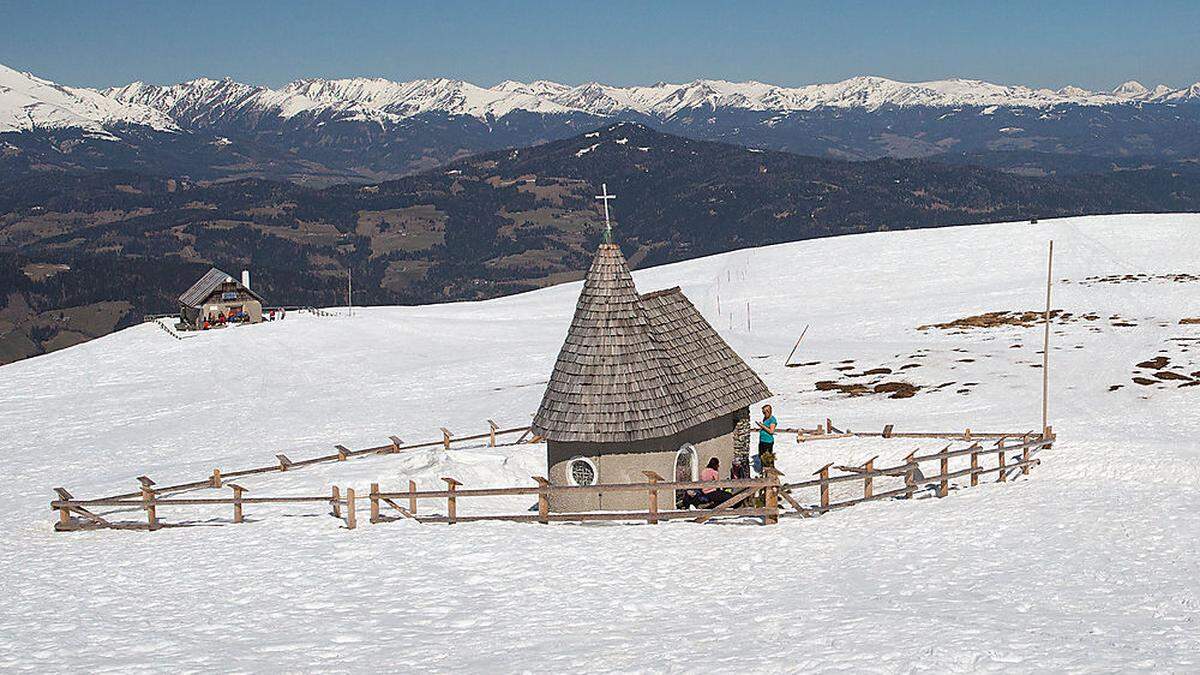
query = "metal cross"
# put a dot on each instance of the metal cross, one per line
(604, 198)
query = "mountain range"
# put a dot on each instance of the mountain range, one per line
(325, 131)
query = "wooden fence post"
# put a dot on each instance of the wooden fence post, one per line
(868, 479)
(284, 462)
(446, 437)
(412, 497)
(396, 443)
(336, 501)
(351, 517)
(151, 510)
(543, 500)
(1003, 474)
(1025, 455)
(652, 478)
(343, 453)
(237, 502)
(823, 472)
(772, 515)
(974, 468)
(944, 486)
(451, 501)
(492, 433)
(910, 475)
(216, 478)
(64, 514)
(374, 503)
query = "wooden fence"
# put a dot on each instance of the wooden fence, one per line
(768, 490)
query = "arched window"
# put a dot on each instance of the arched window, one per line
(582, 471)
(686, 463)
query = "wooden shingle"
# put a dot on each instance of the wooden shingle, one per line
(635, 367)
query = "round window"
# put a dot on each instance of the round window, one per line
(581, 471)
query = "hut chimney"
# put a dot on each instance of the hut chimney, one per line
(246, 278)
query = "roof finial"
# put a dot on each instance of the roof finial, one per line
(604, 197)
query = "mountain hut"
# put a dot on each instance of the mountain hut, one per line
(217, 298)
(642, 383)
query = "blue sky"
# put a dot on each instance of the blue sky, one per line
(1090, 44)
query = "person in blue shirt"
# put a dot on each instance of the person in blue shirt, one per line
(766, 439)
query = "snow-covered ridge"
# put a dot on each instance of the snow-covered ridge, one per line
(28, 102)
(456, 97)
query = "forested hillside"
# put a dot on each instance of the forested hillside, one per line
(123, 244)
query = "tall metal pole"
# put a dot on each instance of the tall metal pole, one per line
(1046, 341)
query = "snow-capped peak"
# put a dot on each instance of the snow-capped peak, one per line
(28, 102)
(1131, 89)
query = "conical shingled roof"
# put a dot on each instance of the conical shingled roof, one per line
(638, 367)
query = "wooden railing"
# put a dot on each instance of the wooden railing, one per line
(341, 454)
(77, 513)
(913, 478)
(345, 503)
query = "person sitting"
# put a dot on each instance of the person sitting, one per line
(706, 498)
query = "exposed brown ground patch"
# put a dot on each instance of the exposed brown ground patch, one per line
(1178, 278)
(994, 320)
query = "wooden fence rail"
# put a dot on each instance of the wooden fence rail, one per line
(915, 479)
(394, 446)
(76, 514)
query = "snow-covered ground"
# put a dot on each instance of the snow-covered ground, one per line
(1090, 564)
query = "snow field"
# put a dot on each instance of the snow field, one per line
(1087, 565)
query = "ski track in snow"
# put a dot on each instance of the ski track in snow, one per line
(1088, 565)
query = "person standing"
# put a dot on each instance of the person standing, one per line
(766, 439)
(766, 449)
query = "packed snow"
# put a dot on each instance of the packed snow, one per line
(1089, 564)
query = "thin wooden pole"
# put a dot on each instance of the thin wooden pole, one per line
(216, 478)
(974, 469)
(492, 433)
(797, 346)
(412, 497)
(1046, 341)
(1003, 474)
(374, 503)
(336, 501)
(351, 517)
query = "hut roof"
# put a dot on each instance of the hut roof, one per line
(635, 367)
(211, 281)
